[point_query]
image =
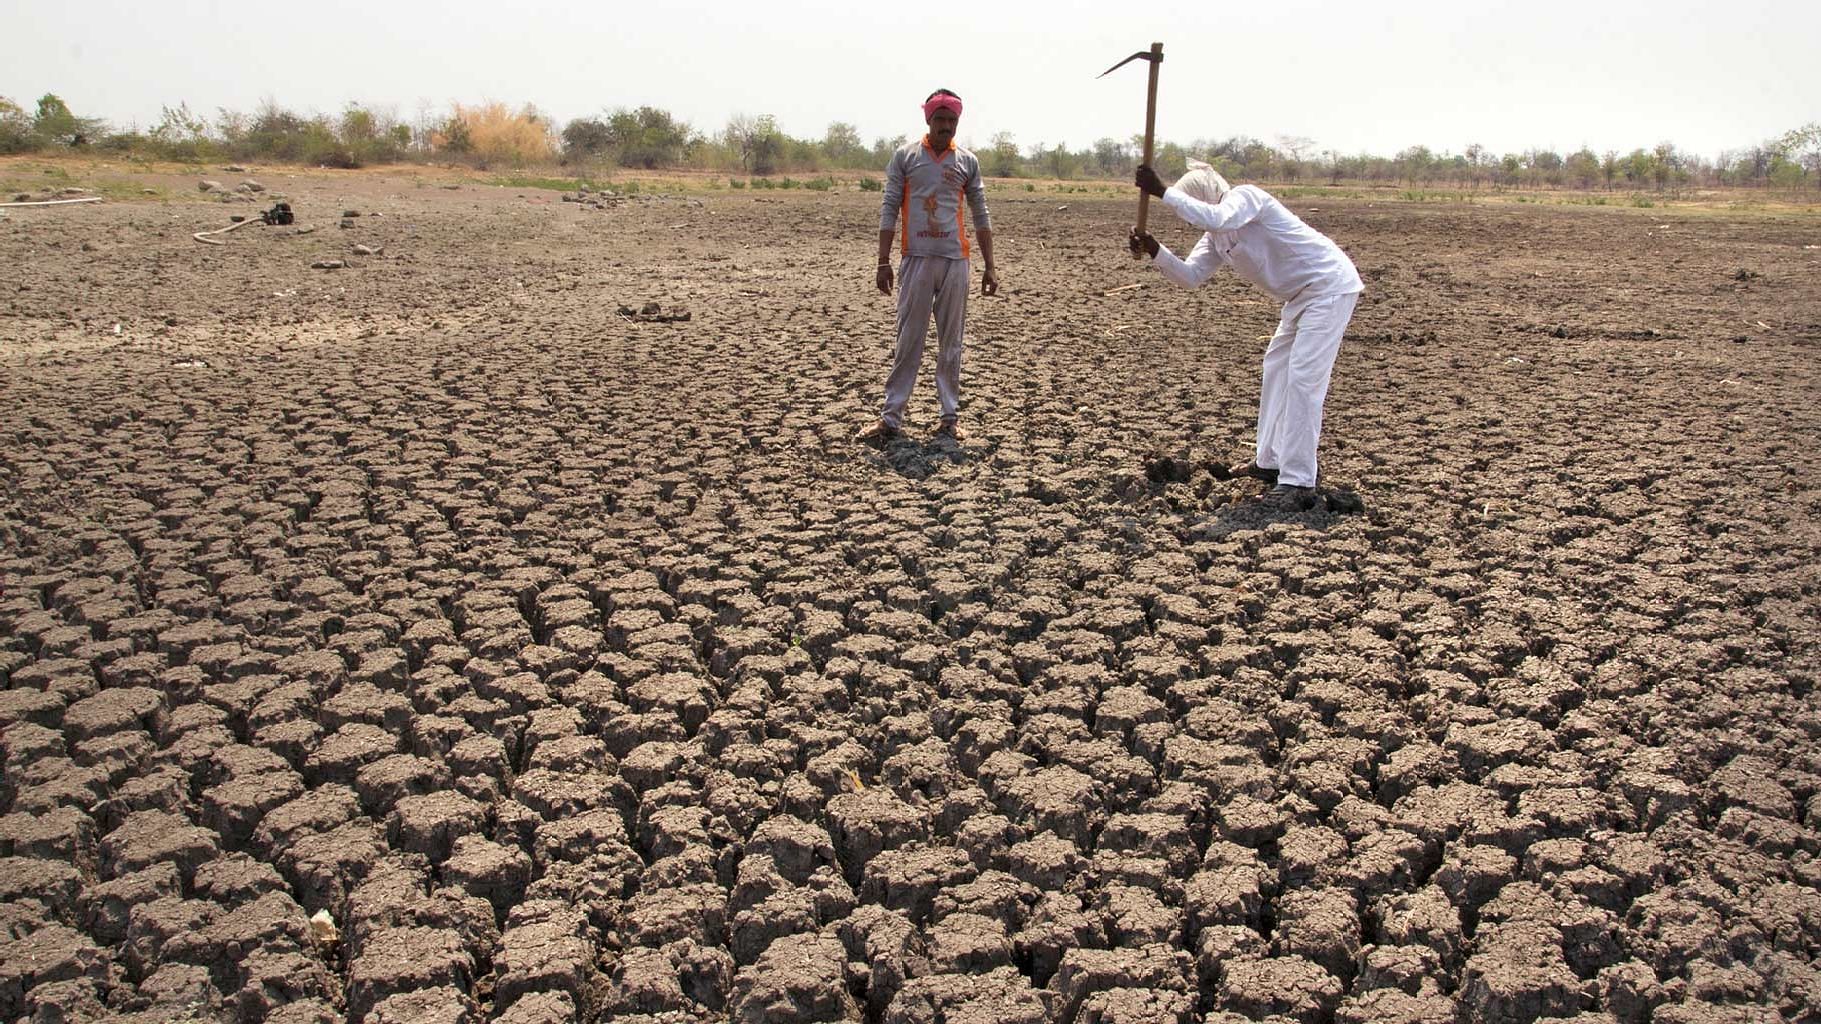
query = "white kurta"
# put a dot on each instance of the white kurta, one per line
(1299, 266)
(1264, 242)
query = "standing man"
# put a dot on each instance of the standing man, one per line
(1298, 266)
(924, 187)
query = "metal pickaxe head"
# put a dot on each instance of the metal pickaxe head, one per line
(1155, 56)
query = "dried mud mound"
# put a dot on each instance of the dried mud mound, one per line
(434, 644)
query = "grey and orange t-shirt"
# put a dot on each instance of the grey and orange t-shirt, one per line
(923, 200)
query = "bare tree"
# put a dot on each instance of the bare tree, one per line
(1293, 148)
(757, 140)
(1668, 163)
(1476, 162)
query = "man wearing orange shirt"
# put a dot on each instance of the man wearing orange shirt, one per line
(926, 186)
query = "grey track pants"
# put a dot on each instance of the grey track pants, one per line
(928, 284)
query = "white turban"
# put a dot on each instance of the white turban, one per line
(1204, 183)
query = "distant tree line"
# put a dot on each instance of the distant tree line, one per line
(647, 138)
(357, 136)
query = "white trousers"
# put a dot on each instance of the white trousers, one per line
(928, 284)
(1298, 363)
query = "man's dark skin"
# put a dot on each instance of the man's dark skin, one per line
(1147, 180)
(942, 126)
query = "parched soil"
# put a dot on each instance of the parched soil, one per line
(428, 640)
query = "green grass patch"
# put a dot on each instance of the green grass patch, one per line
(1320, 192)
(1437, 196)
(32, 180)
(544, 182)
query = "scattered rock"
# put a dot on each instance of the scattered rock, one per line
(653, 313)
(328, 264)
(602, 200)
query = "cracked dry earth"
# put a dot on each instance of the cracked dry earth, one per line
(423, 641)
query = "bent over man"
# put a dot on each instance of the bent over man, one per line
(1298, 266)
(925, 186)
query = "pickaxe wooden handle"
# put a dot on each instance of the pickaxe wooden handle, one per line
(1150, 128)
(1153, 56)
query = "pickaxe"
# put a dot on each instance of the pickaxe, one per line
(1155, 56)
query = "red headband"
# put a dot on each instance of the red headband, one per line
(939, 102)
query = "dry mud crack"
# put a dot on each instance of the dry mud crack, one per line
(428, 642)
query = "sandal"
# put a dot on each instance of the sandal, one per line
(879, 433)
(1256, 472)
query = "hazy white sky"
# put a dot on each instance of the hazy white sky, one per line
(1353, 77)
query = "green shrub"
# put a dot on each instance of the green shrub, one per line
(871, 184)
(822, 184)
(735, 183)
(15, 127)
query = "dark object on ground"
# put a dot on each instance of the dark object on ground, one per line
(1163, 469)
(1345, 502)
(652, 313)
(279, 214)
